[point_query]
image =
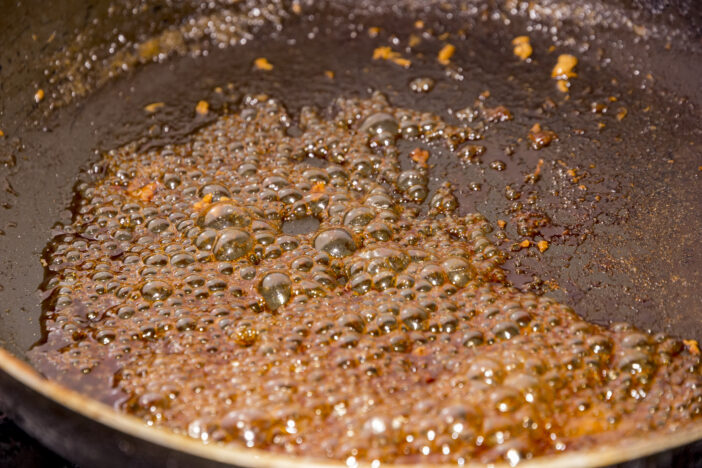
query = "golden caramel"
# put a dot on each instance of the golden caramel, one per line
(288, 291)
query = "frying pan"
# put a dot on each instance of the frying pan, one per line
(633, 255)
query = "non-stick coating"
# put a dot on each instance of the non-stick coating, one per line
(634, 257)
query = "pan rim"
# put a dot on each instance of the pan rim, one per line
(255, 458)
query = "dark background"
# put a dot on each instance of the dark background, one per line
(17, 449)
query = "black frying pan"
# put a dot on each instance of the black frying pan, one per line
(633, 255)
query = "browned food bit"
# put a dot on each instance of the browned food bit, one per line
(692, 346)
(329, 74)
(420, 156)
(497, 114)
(153, 107)
(39, 95)
(263, 64)
(445, 54)
(373, 31)
(573, 173)
(539, 138)
(202, 107)
(318, 187)
(386, 53)
(598, 108)
(564, 68)
(206, 200)
(534, 177)
(563, 85)
(529, 223)
(543, 245)
(146, 192)
(522, 47)
(563, 71)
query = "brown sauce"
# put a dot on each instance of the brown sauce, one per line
(295, 290)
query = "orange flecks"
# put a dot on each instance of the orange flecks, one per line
(202, 107)
(414, 40)
(539, 165)
(692, 346)
(153, 107)
(501, 223)
(563, 71)
(262, 63)
(564, 67)
(206, 200)
(373, 31)
(403, 62)
(525, 243)
(621, 113)
(522, 47)
(318, 187)
(145, 193)
(419, 24)
(383, 52)
(420, 156)
(563, 85)
(542, 245)
(386, 53)
(296, 8)
(2, 134)
(329, 74)
(539, 137)
(446, 53)
(39, 96)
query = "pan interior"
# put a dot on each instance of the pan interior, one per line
(631, 256)
(623, 248)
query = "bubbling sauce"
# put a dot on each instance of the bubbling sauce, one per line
(300, 292)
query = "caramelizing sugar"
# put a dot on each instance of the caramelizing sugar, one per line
(296, 290)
